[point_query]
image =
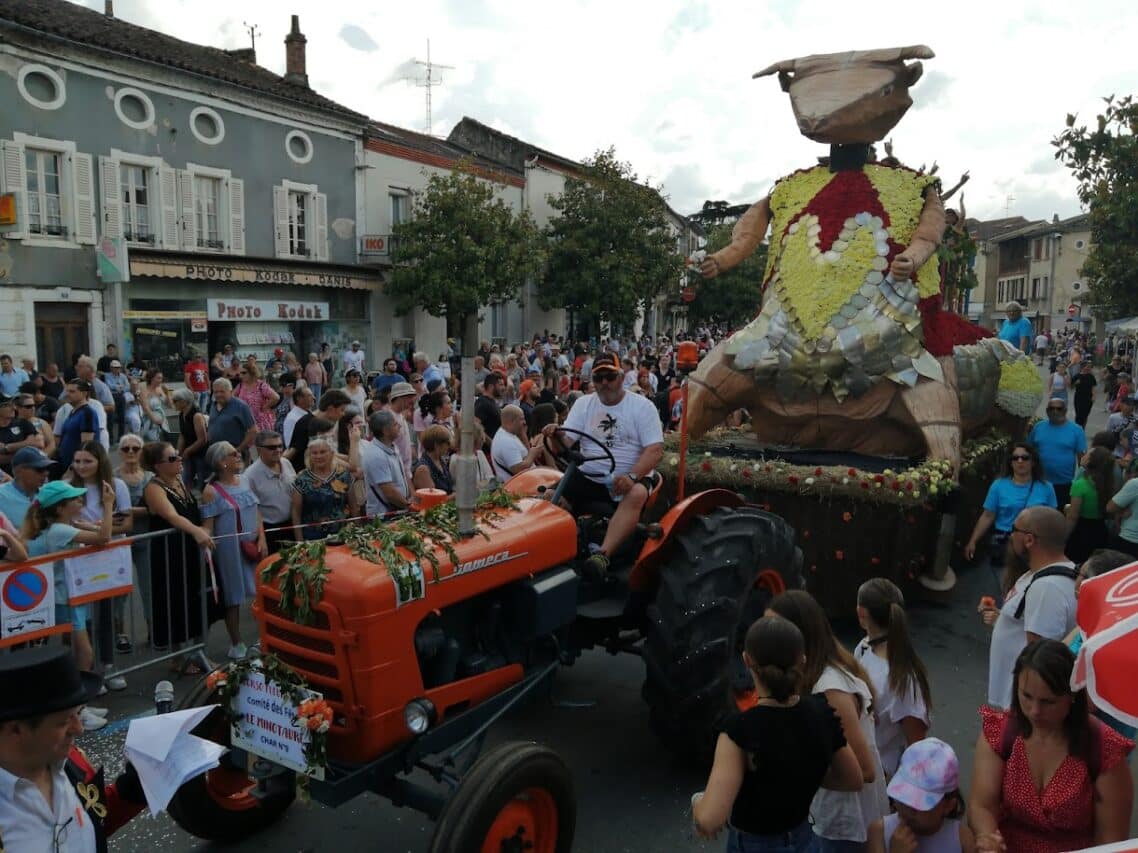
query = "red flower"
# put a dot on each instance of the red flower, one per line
(895, 486)
(818, 472)
(839, 555)
(706, 466)
(852, 472)
(908, 487)
(792, 479)
(746, 473)
(879, 478)
(865, 484)
(874, 560)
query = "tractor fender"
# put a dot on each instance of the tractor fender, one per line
(675, 522)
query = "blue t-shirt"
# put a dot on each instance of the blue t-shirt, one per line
(14, 503)
(58, 537)
(1007, 499)
(1059, 449)
(1013, 333)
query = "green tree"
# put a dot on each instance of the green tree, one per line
(610, 248)
(732, 297)
(1104, 160)
(462, 248)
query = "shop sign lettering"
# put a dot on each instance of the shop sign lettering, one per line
(147, 266)
(260, 310)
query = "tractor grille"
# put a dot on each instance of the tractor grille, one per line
(305, 642)
(308, 649)
(319, 617)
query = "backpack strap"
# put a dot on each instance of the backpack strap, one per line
(1050, 571)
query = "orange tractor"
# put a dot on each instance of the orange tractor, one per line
(416, 678)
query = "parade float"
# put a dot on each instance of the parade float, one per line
(879, 415)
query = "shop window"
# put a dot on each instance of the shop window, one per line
(301, 215)
(53, 186)
(140, 200)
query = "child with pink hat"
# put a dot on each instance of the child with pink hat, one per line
(926, 793)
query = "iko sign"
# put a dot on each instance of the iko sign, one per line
(27, 601)
(374, 244)
(265, 311)
(266, 725)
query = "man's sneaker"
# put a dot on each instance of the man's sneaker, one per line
(237, 652)
(123, 645)
(98, 712)
(91, 722)
(114, 682)
(596, 566)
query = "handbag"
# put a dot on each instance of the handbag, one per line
(249, 550)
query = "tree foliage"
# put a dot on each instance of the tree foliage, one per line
(462, 248)
(732, 297)
(1104, 160)
(611, 250)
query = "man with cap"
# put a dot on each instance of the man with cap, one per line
(30, 468)
(15, 433)
(1017, 329)
(51, 797)
(1061, 444)
(119, 383)
(528, 396)
(401, 403)
(353, 358)
(628, 426)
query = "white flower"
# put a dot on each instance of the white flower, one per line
(809, 481)
(675, 460)
(707, 453)
(845, 481)
(323, 727)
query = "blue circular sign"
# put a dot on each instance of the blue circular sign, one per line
(24, 589)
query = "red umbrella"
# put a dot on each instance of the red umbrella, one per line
(1108, 618)
(1130, 846)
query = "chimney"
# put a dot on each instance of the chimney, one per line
(109, 8)
(295, 70)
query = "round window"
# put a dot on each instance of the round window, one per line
(298, 146)
(207, 125)
(134, 109)
(1079, 244)
(41, 87)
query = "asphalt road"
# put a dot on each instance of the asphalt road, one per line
(631, 797)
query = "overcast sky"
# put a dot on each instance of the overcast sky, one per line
(668, 82)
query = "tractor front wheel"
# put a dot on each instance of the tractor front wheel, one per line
(725, 569)
(517, 798)
(223, 804)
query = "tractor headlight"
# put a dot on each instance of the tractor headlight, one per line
(419, 715)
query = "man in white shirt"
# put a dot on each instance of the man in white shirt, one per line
(302, 403)
(510, 453)
(386, 485)
(354, 358)
(628, 426)
(1038, 539)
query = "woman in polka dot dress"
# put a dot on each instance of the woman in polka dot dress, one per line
(1048, 777)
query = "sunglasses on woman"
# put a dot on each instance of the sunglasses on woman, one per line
(1021, 457)
(129, 449)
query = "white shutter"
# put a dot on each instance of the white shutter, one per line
(16, 182)
(186, 204)
(280, 217)
(168, 199)
(321, 226)
(236, 216)
(83, 172)
(112, 199)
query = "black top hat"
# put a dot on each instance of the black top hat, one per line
(42, 681)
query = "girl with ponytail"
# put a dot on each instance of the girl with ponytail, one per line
(772, 758)
(899, 679)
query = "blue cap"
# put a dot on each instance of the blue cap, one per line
(57, 491)
(31, 457)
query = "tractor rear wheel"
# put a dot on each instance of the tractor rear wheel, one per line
(517, 798)
(222, 804)
(725, 569)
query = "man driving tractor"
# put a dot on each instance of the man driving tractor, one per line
(627, 428)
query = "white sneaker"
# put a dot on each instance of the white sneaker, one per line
(116, 682)
(98, 712)
(91, 722)
(237, 652)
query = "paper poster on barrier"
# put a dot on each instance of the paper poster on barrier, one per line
(102, 574)
(27, 601)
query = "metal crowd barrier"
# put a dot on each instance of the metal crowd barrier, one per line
(159, 606)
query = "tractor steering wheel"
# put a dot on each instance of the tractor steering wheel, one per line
(571, 455)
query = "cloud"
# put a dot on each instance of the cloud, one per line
(357, 38)
(931, 90)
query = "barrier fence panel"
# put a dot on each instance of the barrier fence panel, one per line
(143, 599)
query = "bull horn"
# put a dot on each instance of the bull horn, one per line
(786, 66)
(917, 51)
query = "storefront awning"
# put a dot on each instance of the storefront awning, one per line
(257, 272)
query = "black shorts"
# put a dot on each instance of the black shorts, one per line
(580, 491)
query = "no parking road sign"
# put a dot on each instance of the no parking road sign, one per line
(27, 601)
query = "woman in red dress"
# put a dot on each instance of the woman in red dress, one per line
(1047, 776)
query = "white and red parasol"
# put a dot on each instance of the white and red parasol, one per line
(1130, 846)
(1108, 618)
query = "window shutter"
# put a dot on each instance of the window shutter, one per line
(236, 216)
(16, 182)
(112, 198)
(280, 217)
(83, 173)
(189, 221)
(168, 199)
(321, 200)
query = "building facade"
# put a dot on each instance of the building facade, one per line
(227, 195)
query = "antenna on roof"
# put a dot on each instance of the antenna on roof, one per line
(427, 77)
(1008, 205)
(254, 31)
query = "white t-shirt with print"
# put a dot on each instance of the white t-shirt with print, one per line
(890, 708)
(625, 429)
(1050, 613)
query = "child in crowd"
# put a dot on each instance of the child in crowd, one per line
(841, 818)
(926, 793)
(899, 679)
(771, 759)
